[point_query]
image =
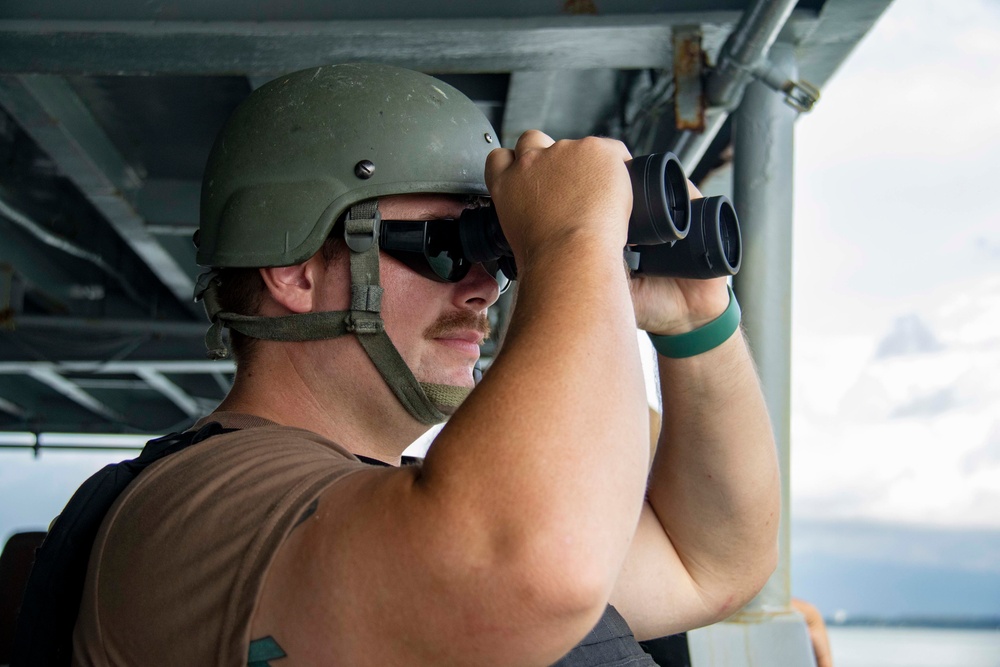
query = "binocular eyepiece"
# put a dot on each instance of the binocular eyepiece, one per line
(668, 234)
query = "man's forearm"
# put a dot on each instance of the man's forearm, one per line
(559, 458)
(715, 484)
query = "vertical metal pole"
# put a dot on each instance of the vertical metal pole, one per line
(763, 159)
(767, 632)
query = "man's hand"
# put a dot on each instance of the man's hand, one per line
(817, 632)
(671, 306)
(548, 193)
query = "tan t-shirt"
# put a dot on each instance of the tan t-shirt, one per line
(181, 557)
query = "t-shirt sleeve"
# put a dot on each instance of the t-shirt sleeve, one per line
(181, 558)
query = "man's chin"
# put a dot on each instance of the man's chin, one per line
(462, 380)
(447, 393)
(451, 374)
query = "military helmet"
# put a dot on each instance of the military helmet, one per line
(304, 148)
(320, 145)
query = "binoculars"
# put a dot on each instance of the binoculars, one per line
(668, 234)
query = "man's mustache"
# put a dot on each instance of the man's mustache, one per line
(462, 320)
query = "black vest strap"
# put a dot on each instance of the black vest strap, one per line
(610, 644)
(52, 597)
(405, 461)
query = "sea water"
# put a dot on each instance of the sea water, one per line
(914, 647)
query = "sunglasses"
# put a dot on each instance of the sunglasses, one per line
(433, 248)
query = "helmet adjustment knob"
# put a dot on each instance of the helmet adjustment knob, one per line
(364, 169)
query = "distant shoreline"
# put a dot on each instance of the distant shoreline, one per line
(945, 623)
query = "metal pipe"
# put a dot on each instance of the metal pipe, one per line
(67, 388)
(690, 146)
(78, 448)
(12, 408)
(68, 247)
(116, 367)
(746, 46)
(762, 192)
(175, 394)
(767, 631)
(165, 328)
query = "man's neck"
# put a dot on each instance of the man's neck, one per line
(364, 417)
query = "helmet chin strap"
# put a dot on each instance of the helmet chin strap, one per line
(428, 403)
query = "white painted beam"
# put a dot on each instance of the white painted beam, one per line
(251, 48)
(60, 123)
(116, 367)
(175, 394)
(67, 388)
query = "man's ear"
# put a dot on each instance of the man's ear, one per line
(293, 288)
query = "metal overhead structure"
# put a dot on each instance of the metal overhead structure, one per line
(108, 110)
(59, 122)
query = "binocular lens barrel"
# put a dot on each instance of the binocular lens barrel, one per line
(661, 205)
(661, 210)
(481, 236)
(672, 235)
(712, 248)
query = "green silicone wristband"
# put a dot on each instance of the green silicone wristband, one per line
(704, 338)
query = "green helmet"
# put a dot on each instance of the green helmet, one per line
(319, 145)
(304, 148)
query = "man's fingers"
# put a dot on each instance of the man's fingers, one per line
(497, 161)
(500, 159)
(532, 139)
(535, 185)
(693, 191)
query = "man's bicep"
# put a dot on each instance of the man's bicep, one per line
(377, 575)
(331, 582)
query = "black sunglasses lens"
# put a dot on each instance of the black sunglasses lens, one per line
(443, 250)
(494, 269)
(433, 248)
(425, 247)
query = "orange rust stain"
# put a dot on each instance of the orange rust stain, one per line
(580, 7)
(688, 63)
(687, 56)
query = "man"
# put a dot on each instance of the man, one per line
(286, 542)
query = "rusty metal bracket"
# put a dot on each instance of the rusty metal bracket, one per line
(689, 68)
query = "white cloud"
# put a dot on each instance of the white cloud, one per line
(891, 438)
(896, 166)
(895, 219)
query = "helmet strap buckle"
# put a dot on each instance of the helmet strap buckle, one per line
(363, 323)
(362, 226)
(361, 231)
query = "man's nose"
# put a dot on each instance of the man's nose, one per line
(478, 289)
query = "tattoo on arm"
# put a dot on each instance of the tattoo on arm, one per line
(263, 650)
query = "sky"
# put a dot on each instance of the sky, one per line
(896, 306)
(896, 322)
(896, 328)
